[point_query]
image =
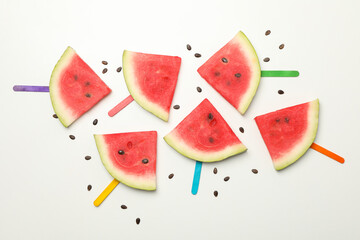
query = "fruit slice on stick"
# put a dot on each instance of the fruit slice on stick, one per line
(204, 136)
(151, 80)
(289, 132)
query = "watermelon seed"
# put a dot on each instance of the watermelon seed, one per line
(104, 70)
(119, 69)
(237, 75)
(176, 107)
(87, 157)
(228, 83)
(75, 77)
(89, 187)
(104, 62)
(255, 171)
(211, 139)
(145, 161)
(210, 116)
(55, 116)
(281, 46)
(72, 137)
(95, 122)
(123, 206)
(188, 47)
(88, 95)
(286, 120)
(199, 89)
(215, 171)
(217, 73)
(138, 221)
(121, 152)
(129, 145)
(266, 59)
(241, 129)
(267, 32)
(277, 120)
(224, 60)
(216, 193)
(226, 178)
(171, 176)
(87, 83)
(280, 92)
(197, 55)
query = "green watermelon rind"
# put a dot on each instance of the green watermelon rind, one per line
(64, 114)
(139, 182)
(135, 91)
(180, 146)
(303, 145)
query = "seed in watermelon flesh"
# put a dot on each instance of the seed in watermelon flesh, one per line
(74, 87)
(204, 135)
(223, 71)
(289, 132)
(135, 163)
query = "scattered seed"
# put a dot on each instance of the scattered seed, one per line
(176, 107)
(216, 193)
(104, 70)
(226, 178)
(129, 145)
(88, 95)
(224, 60)
(280, 92)
(145, 161)
(119, 69)
(277, 120)
(72, 137)
(215, 171)
(267, 32)
(87, 157)
(241, 129)
(199, 89)
(255, 171)
(210, 116)
(95, 122)
(55, 116)
(211, 139)
(87, 84)
(123, 206)
(121, 152)
(286, 120)
(188, 47)
(217, 73)
(197, 55)
(76, 77)
(171, 176)
(237, 75)
(138, 221)
(266, 59)
(104, 62)
(282, 46)
(89, 187)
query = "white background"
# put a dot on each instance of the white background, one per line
(44, 176)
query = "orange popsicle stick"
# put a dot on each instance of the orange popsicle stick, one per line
(327, 153)
(106, 192)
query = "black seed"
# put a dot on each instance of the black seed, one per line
(224, 60)
(280, 92)
(72, 137)
(226, 178)
(89, 187)
(138, 221)
(76, 77)
(104, 62)
(286, 120)
(277, 120)
(255, 171)
(145, 161)
(241, 129)
(197, 55)
(88, 95)
(104, 70)
(199, 89)
(95, 122)
(237, 75)
(188, 47)
(211, 139)
(267, 32)
(210, 116)
(216, 193)
(171, 176)
(215, 171)
(266, 59)
(87, 83)
(176, 107)
(55, 116)
(121, 152)
(87, 157)
(217, 73)
(123, 206)
(119, 69)
(281, 46)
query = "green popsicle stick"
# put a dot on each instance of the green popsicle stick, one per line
(279, 73)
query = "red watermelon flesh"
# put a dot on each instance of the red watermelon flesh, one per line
(234, 71)
(289, 132)
(204, 135)
(74, 87)
(130, 157)
(151, 80)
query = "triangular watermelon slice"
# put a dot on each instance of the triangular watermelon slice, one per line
(204, 135)
(289, 132)
(130, 157)
(151, 80)
(74, 87)
(234, 71)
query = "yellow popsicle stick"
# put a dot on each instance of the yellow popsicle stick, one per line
(106, 192)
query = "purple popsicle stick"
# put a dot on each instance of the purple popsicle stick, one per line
(26, 88)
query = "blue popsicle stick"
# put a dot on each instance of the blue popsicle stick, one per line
(196, 180)
(26, 88)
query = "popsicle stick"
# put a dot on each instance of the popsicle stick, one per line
(327, 153)
(26, 88)
(279, 73)
(106, 192)
(120, 106)
(196, 179)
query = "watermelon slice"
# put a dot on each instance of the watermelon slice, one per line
(74, 87)
(130, 157)
(234, 71)
(289, 132)
(204, 135)
(151, 80)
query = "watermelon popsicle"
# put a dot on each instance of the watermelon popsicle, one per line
(151, 80)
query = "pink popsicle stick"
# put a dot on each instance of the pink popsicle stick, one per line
(120, 106)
